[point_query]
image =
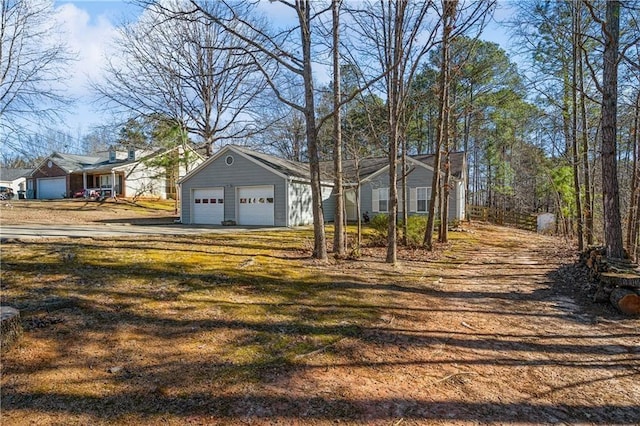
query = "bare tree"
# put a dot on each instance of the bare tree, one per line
(191, 71)
(339, 239)
(33, 58)
(394, 33)
(275, 55)
(442, 133)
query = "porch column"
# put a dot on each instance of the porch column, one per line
(113, 184)
(84, 180)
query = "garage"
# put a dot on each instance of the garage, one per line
(255, 205)
(51, 188)
(208, 206)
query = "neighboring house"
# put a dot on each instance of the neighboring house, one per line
(249, 188)
(130, 174)
(15, 179)
(246, 187)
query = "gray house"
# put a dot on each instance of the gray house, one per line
(249, 188)
(246, 187)
(374, 185)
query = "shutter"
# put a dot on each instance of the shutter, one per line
(375, 200)
(413, 200)
(400, 201)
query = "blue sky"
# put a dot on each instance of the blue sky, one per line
(90, 25)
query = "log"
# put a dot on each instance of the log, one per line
(621, 279)
(626, 300)
(10, 328)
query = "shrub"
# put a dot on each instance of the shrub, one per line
(416, 226)
(380, 225)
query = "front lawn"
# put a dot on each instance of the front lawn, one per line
(118, 321)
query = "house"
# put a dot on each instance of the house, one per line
(15, 178)
(242, 186)
(133, 173)
(373, 175)
(249, 188)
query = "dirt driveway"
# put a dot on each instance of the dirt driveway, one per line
(495, 330)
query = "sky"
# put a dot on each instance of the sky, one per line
(91, 25)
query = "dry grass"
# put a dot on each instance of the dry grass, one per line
(80, 211)
(177, 318)
(236, 329)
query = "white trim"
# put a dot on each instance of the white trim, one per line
(375, 202)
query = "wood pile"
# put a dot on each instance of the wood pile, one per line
(618, 280)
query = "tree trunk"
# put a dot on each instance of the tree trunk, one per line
(586, 168)
(634, 202)
(10, 327)
(403, 189)
(626, 300)
(339, 228)
(320, 243)
(448, 18)
(574, 124)
(611, 200)
(443, 237)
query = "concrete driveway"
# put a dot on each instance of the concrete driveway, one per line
(116, 230)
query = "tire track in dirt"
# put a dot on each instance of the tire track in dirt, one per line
(491, 335)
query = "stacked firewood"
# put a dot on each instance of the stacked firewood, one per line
(618, 280)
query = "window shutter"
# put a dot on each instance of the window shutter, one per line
(400, 200)
(413, 200)
(375, 200)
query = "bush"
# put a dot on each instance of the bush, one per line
(380, 225)
(416, 226)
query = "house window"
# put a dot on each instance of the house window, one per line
(105, 181)
(228, 160)
(383, 199)
(422, 199)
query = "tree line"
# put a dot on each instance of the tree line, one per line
(334, 81)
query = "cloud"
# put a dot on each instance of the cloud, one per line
(89, 38)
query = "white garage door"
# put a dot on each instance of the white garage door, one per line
(255, 205)
(51, 188)
(207, 206)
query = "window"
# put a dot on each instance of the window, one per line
(423, 195)
(228, 160)
(383, 199)
(105, 181)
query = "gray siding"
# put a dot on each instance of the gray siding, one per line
(300, 205)
(418, 177)
(242, 172)
(328, 204)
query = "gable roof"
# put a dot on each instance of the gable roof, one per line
(280, 166)
(369, 167)
(457, 160)
(72, 163)
(285, 167)
(11, 174)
